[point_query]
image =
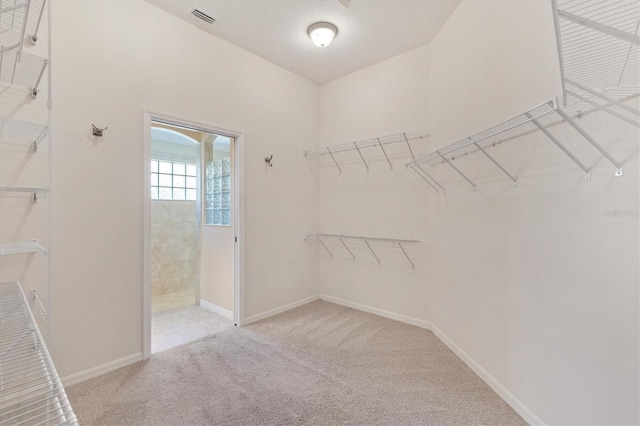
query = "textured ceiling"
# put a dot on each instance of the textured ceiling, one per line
(369, 31)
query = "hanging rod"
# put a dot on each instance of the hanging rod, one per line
(380, 144)
(345, 239)
(538, 118)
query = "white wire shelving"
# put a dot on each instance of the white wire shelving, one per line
(13, 23)
(22, 131)
(599, 53)
(31, 392)
(383, 148)
(369, 246)
(22, 247)
(22, 69)
(536, 119)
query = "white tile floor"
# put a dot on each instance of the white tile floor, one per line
(183, 325)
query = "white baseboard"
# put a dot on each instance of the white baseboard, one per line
(498, 388)
(381, 312)
(85, 375)
(275, 311)
(216, 309)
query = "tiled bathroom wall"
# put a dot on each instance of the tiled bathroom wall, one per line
(173, 240)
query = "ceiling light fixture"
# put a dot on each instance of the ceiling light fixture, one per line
(322, 33)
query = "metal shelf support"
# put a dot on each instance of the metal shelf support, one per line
(457, 170)
(493, 160)
(334, 160)
(561, 146)
(384, 152)
(596, 145)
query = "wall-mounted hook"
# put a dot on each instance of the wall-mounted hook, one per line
(98, 131)
(268, 160)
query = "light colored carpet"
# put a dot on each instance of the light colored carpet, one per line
(320, 364)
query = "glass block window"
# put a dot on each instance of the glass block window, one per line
(173, 181)
(217, 201)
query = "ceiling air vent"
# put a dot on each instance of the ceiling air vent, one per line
(204, 16)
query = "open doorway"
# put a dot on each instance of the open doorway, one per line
(190, 239)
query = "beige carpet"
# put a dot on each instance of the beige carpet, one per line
(320, 364)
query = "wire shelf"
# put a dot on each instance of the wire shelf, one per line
(13, 22)
(599, 50)
(22, 131)
(36, 192)
(383, 148)
(539, 118)
(362, 246)
(30, 390)
(22, 69)
(25, 247)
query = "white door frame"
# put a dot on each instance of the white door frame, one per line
(238, 219)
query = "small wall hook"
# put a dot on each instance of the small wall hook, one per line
(98, 131)
(268, 160)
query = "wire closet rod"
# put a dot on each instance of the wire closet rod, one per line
(354, 237)
(365, 143)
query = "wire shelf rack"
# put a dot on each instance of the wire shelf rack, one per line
(383, 148)
(30, 389)
(22, 131)
(539, 118)
(22, 69)
(23, 247)
(599, 53)
(372, 247)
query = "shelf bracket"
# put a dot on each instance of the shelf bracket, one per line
(372, 252)
(334, 159)
(606, 29)
(560, 145)
(347, 247)
(493, 160)
(43, 310)
(456, 169)
(34, 36)
(596, 145)
(34, 91)
(325, 247)
(406, 255)
(431, 177)
(384, 152)
(361, 156)
(424, 178)
(604, 97)
(409, 145)
(39, 139)
(604, 108)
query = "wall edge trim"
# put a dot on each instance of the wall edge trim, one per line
(216, 309)
(100, 370)
(522, 410)
(278, 310)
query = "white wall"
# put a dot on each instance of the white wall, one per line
(537, 284)
(112, 60)
(385, 99)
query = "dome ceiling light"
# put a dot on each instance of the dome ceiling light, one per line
(322, 33)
